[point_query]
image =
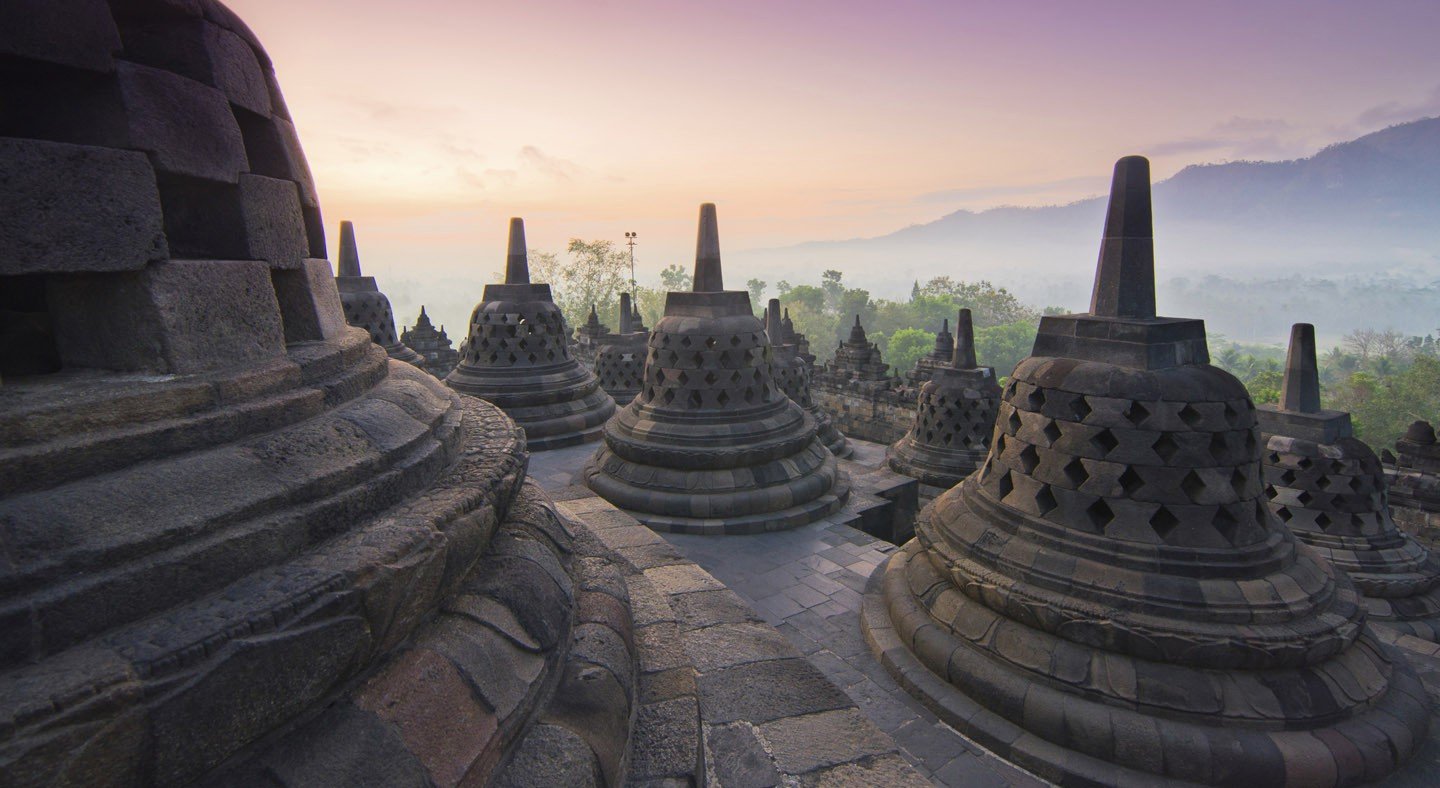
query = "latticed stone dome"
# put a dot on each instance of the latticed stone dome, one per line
(1329, 490)
(517, 355)
(365, 306)
(794, 375)
(1110, 599)
(712, 444)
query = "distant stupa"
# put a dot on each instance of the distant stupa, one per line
(518, 356)
(711, 444)
(365, 306)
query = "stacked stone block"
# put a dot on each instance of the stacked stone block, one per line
(365, 306)
(954, 417)
(518, 356)
(1329, 489)
(711, 444)
(1110, 600)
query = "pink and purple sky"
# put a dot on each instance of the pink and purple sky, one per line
(430, 122)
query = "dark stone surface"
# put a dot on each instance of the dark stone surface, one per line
(365, 306)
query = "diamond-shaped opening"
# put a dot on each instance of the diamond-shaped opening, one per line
(1284, 513)
(1226, 524)
(1105, 441)
(1163, 522)
(1100, 514)
(1130, 481)
(1274, 458)
(1193, 485)
(1191, 417)
(668, 396)
(1080, 408)
(710, 342)
(710, 378)
(682, 378)
(1000, 443)
(1287, 477)
(1036, 400)
(1218, 446)
(1323, 520)
(1249, 441)
(696, 400)
(685, 342)
(1305, 497)
(1165, 446)
(1232, 416)
(749, 395)
(1044, 499)
(1238, 481)
(734, 341)
(1076, 473)
(1324, 482)
(1356, 483)
(1014, 422)
(1305, 463)
(723, 398)
(1029, 458)
(1005, 485)
(1136, 413)
(1051, 431)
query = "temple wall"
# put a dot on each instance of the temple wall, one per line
(881, 415)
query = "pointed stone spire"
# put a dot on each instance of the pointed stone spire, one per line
(787, 328)
(424, 319)
(627, 316)
(772, 322)
(594, 320)
(1125, 275)
(708, 278)
(349, 255)
(857, 334)
(1300, 391)
(964, 357)
(517, 262)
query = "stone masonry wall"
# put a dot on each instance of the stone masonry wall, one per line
(878, 416)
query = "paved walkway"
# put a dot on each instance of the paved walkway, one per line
(808, 584)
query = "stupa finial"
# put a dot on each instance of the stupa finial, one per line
(708, 277)
(964, 357)
(772, 322)
(627, 317)
(517, 262)
(349, 254)
(1125, 275)
(1300, 391)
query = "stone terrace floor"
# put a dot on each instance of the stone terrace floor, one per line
(808, 584)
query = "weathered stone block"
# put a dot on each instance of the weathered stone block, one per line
(70, 208)
(204, 52)
(309, 303)
(274, 229)
(186, 127)
(79, 34)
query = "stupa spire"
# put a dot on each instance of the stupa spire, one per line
(964, 357)
(627, 317)
(708, 277)
(517, 263)
(1301, 390)
(1125, 275)
(349, 254)
(772, 322)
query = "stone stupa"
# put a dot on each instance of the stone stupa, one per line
(938, 357)
(1329, 488)
(711, 444)
(517, 356)
(242, 546)
(954, 417)
(794, 374)
(620, 357)
(365, 306)
(589, 336)
(433, 344)
(1110, 600)
(1415, 483)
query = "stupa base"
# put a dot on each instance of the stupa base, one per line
(1147, 749)
(936, 468)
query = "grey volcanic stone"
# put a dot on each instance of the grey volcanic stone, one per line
(76, 208)
(186, 127)
(79, 34)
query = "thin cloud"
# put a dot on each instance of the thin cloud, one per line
(549, 166)
(1393, 112)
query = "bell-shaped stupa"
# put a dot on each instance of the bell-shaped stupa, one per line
(1110, 600)
(954, 416)
(365, 306)
(518, 356)
(794, 373)
(712, 444)
(1415, 483)
(938, 358)
(620, 359)
(589, 336)
(1328, 487)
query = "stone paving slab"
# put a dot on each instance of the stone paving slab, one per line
(766, 715)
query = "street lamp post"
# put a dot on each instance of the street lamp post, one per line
(630, 242)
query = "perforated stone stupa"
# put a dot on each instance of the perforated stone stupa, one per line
(711, 444)
(589, 336)
(242, 546)
(1415, 483)
(1329, 489)
(433, 345)
(954, 416)
(365, 306)
(793, 374)
(620, 359)
(938, 358)
(518, 357)
(1110, 599)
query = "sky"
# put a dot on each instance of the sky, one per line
(430, 122)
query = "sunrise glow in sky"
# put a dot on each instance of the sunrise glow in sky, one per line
(429, 122)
